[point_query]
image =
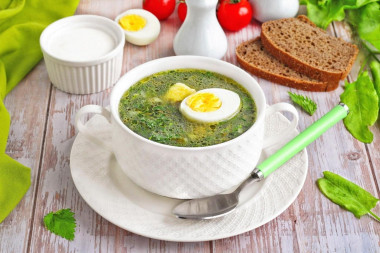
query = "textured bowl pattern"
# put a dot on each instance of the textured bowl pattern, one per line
(194, 173)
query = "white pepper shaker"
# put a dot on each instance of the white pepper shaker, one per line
(200, 33)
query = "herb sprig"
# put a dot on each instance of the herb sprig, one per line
(304, 102)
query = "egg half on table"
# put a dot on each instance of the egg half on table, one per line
(205, 106)
(140, 26)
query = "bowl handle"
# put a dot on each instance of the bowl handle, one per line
(283, 136)
(83, 129)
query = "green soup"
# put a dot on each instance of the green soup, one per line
(144, 109)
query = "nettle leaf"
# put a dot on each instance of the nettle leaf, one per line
(61, 223)
(347, 194)
(363, 102)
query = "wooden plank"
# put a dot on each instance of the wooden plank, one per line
(325, 226)
(27, 104)
(56, 189)
(313, 223)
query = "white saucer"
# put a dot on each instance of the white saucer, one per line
(108, 191)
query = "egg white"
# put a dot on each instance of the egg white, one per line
(231, 105)
(148, 33)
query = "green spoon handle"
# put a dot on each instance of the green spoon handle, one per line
(302, 140)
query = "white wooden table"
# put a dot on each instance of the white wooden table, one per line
(42, 133)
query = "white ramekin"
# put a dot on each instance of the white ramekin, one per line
(84, 77)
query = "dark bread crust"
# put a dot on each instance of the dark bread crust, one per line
(264, 72)
(332, 77)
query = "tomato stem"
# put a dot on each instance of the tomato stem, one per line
(234, 1)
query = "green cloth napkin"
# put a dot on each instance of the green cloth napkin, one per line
(21, 24)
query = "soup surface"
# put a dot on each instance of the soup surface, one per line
(145, 109)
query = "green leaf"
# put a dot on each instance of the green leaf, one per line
(375, 70)
(304, 102)
(366, 20)
(322, 13)
(360, 96)
(347, 194)
(61, 223)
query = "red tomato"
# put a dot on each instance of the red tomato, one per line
(182, 10)
(162, 9)
(234, 15)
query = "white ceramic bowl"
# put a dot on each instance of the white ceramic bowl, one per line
(83, 53)
(185, 172)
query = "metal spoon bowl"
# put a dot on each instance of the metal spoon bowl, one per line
(214, 206)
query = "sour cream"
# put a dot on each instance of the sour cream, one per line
(81, 43)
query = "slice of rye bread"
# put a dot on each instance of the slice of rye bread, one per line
(308, 49)
(253, 57)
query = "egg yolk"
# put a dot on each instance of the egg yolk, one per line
(177, 92)
(132, 22)
(204, 102)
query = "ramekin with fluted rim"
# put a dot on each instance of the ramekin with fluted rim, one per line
(88, 74)
(186, 172)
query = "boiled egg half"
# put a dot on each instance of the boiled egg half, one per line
(140, 26)
(211, 105)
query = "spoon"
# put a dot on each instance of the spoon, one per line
(222, 204)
